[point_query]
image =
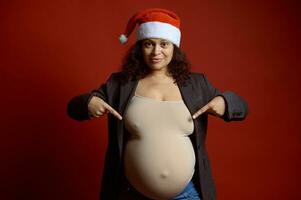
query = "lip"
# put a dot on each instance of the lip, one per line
(156, 60)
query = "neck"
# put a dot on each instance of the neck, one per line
(159, 74)
(160, 77)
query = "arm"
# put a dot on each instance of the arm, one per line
(77, 107)
(236, 107)
(226, 105)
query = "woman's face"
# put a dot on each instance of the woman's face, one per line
(157, 53)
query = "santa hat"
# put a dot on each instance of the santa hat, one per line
(154, 23)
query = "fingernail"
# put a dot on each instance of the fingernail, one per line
(193, 116)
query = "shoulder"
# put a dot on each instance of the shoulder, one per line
(196, 77)
(115, 77)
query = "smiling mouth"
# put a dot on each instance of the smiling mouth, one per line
(155, 60)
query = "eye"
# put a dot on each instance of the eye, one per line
(147, 44)
(165, 44)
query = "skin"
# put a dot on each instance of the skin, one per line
(157, 54)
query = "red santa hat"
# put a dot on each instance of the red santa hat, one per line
(154, 23)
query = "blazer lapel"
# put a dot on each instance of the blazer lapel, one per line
(127, 91)
(186, 92)
(187, 95)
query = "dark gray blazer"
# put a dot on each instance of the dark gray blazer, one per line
(196, 93)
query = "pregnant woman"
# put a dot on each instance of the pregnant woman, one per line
(158, 112)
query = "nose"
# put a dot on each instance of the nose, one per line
(156, 49)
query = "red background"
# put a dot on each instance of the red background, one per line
(53, 50)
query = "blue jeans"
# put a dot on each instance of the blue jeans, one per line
(189, 193)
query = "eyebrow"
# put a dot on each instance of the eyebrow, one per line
(162, 40)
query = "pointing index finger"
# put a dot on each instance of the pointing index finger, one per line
(111, 110)
(200, 111)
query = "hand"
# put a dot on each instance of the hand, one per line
(98, 107)
(216, 107)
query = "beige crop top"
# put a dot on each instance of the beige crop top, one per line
(159, 157)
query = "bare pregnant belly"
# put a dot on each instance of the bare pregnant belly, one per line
(159, 167)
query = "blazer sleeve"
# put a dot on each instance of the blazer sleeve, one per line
(77, 107)
(236, 106)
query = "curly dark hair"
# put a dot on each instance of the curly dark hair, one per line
(134, 66)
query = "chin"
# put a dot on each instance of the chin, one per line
(156, 66)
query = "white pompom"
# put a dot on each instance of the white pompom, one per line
(123, 39)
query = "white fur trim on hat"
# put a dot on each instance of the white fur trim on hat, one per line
(159, 30)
